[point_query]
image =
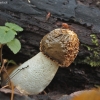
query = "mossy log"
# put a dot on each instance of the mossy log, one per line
(39, 17)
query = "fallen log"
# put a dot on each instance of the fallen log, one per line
(32, 16)
(38, 18)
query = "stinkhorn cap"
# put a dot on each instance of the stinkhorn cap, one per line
(60, 45)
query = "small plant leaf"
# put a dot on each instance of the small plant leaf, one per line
(11, 62)
(11, 32)
(6, 36)
(14, 45)
(4, 28)
(13, 26)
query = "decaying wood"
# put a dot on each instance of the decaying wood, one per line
(39, 17)
(33, 18)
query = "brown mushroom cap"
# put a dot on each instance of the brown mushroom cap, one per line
(60, 45)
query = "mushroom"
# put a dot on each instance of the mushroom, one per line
(58, 48)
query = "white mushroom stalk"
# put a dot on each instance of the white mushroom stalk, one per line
(58, 48)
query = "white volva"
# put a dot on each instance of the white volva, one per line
(34, 75)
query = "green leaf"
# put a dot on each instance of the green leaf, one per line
(4, 28)
(11, 32)
(11, 62)
(6, 36)
(14, 45)
(13, 26)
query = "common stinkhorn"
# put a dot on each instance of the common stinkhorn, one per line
(57, 48)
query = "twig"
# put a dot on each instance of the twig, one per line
(12, 88)
(1, 47)
(2, 65)
(10, 83)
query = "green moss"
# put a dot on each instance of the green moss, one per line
(94, 39)
(93, 57)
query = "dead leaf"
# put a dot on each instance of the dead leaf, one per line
(93, 94)
(6, 90)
